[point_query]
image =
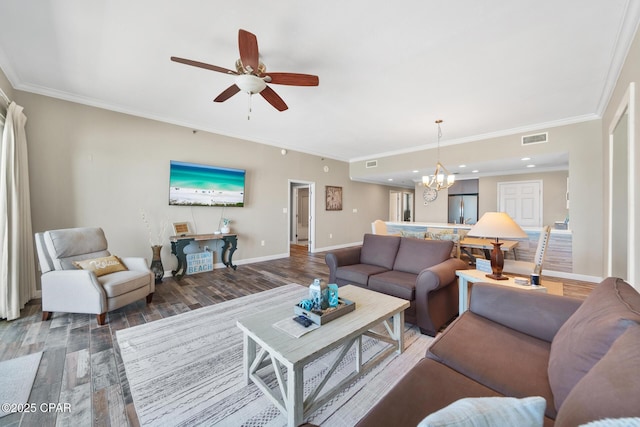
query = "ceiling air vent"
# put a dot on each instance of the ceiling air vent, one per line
(371, 164)
(538, 138)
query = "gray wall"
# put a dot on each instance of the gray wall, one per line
(583, 142)
(93, 167)
(554, 186)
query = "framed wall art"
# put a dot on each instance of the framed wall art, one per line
(333, 198)
(181, 228)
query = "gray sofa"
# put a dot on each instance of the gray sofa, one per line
(583, 358)
(417, 270)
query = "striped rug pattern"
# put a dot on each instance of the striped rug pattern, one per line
(186, 370)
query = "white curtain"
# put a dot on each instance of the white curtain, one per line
(17, 262)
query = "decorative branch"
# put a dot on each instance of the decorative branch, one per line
(162, 228)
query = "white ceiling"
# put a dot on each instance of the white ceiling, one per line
(387, 69)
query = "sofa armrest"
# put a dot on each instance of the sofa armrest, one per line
(438, 275)
(346, 256)
(73, 291)
(530, 312)
(135, 263)
(434, 309)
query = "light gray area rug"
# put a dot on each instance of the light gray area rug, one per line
(16, 379)
(186, 370)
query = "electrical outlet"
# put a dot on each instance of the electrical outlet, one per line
(262, 243)
(330, 235)
(355, 210)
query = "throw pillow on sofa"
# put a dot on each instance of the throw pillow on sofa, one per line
(589, 333)
(489, 412)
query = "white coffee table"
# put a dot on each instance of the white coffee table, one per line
(282, 351)
(473, 276)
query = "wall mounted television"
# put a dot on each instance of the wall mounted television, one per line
(192, 184)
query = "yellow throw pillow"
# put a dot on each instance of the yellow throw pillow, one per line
(101, 266)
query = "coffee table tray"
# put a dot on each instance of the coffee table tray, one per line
(322, 318)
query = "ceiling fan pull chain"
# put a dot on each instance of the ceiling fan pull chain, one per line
(249, 114)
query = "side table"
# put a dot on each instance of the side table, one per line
(474, 276)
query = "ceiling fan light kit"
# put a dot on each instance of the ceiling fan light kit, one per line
(251, 74)
(250, 84)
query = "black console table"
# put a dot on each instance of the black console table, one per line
(178, 243)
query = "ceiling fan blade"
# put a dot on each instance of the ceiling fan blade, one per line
(272, 98)
(228, 93)
(294, 79)
(248, 44)
(203, 65)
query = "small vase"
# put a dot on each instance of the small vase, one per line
(156, 263)
(225, 229)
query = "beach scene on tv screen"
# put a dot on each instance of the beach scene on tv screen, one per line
(202, 185)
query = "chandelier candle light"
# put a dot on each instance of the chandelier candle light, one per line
(437, 180)
(498, 225)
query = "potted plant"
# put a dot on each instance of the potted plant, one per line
(225, 226)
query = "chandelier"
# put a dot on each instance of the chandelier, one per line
(437, 180)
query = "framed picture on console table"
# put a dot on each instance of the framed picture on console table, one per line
(333, 198)
(181, 228)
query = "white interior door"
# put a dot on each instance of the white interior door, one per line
(395, 206)
(302, 208)
(522, 201)
(302, 217)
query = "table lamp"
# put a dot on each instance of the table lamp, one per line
(497, 225)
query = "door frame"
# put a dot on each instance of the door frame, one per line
(626, 104)
(295, 214)
(311, 247)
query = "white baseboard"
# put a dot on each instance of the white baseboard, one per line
(333, 248)
(219, 265)
(573, 276)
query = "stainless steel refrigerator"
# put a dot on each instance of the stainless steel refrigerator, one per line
(463, 209)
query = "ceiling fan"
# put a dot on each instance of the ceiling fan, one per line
(251, 74)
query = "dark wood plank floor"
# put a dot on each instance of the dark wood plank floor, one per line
(81, 364)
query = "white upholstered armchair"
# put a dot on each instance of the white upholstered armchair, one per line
(79, 275)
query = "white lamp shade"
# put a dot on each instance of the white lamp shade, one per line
(497, 225)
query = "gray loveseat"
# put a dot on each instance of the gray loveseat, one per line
(583, 358)
(417, 270)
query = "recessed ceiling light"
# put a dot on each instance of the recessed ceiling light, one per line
(524, 159)
(531, 166)
(462, 166)
(416, 171)
(475, 171)
(390, 179)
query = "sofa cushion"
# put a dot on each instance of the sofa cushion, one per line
(379, 250)
(122, 282)
(395, 283)
(588, 334)
(415, 255)
(510, 362)
(489, 412)
(426, 388)
(611, 388)
(358, 273)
